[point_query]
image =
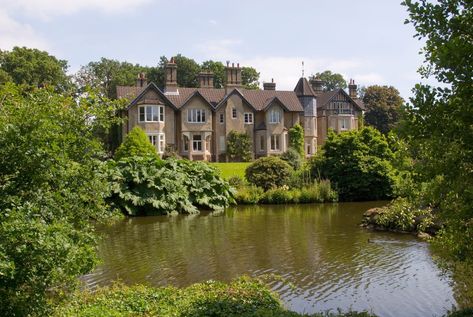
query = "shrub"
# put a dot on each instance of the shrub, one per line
(241, 297)
(268, 172)
(239, 146)
(277, 196)
(135, 144)
(359, 163)
(236, 181)
(146, 185)
(296, 139)
(249, 195)
(293, 158)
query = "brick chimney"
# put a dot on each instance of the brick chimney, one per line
(270, 86)
(141, 80)
(317, 85)
(352, 89)
(206, 79)
(170, 86)
(233, 76)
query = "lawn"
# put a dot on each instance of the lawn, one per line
(228, 170)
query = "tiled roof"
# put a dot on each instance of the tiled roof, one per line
(303, 88)
(129, 92)
(259, 99)
(325, 97)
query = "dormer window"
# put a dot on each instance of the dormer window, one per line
(196, 116)
(274, 116)
(151, 113)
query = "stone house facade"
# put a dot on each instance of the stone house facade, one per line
(196, 122)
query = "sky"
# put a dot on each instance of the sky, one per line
(366, 40)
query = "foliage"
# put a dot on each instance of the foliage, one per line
(51, 185)
(296, 138)
(244, 297)
(218, 69)
(438, 121)
(250, 78)
(268, 172)
(383, 105)
(236, 181)
(33, 67)
(401, 215)
(331, 81)
(249, 195)
(293, 158)
(239, 146)
(136, 143)
(107, 74)
(359, 163)
(146, 185)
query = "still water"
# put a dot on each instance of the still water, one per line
(324, 257)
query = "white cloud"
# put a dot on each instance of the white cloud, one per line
(46, 9)
(13, 33)
(219, 49)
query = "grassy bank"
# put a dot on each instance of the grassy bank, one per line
(242, 297)
(228, 170)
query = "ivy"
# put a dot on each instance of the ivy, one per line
(239, 146)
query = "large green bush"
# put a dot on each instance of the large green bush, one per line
(239, 147)
(146, 185)
(268, 172)
(135, 144)
(51, 185)
(296, 139)
(293, 158)
(358, 163)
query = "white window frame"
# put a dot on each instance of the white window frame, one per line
(196, 115)
(274, 116)
(196, 142)
(155, 110)
(275, 142)
(158, 140)
(248, 116)
(342, 126)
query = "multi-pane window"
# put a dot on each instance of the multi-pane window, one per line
(151, 113)
(158, 140)
(196, 115)
(248, 117)
(197, 143)
(274, 116)
(275, 146)
(222, 143)
(234, 113)
(343, 124)
(221, 118)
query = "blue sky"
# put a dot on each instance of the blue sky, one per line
(365, 39)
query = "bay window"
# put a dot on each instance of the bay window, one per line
(196, 116)
(151, 113)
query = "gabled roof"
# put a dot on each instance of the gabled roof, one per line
(303, 88)
(258, 99)
(324, 98)
(197, 93)
(150, 86)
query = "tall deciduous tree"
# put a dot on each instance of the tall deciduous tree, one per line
(52, 185)
(439, 120)
(219, 72)
(383, 106)
(250, 78)
(107, 74)
(331, 81)
(33, 67)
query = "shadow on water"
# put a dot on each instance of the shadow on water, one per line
(319, 248)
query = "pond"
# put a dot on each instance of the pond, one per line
(323, 258)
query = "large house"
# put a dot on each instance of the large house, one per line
(195, 122)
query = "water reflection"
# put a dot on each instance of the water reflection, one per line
(319, 248)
